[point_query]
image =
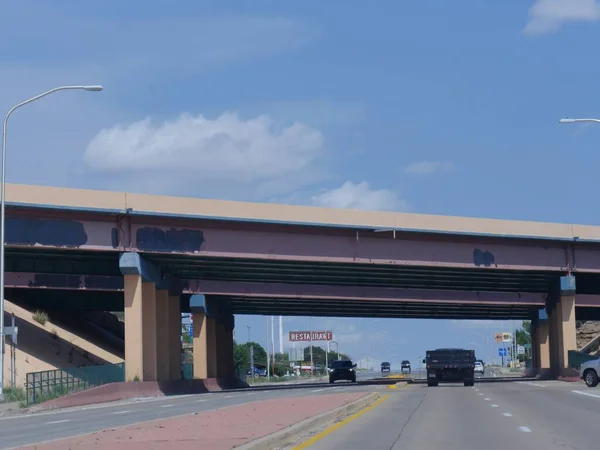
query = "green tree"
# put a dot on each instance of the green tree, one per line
(523, 334)
(319, 355)
(523, 337)
(241, 355)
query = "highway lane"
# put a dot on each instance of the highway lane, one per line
(495, 416)
(44, 426)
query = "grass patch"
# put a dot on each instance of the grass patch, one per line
(40, 317)
(14, 395)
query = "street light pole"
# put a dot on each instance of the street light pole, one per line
(2, 209)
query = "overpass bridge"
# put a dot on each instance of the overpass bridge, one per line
(155, 255)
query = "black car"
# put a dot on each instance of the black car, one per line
(342, 370)
(405, 365)
(385, 367)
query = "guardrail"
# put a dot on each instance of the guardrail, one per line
(49, 384)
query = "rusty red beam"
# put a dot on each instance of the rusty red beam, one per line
(202, 237)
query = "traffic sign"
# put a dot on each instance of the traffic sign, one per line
(520, 350)
(498, 337)
(304, 336)
(502, 352)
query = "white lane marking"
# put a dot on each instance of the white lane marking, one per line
(228, 396)
(116, 404)
(58, 421)
(480, 393)
(507, 415)
(121, 412)
(531, 383)
(487, 399)
(318, 390)
(525, 429)
(589, 394)
(201, 400)
(494, 406)
(166, 406)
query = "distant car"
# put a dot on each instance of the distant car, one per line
(258, 372)
(405, 365)
(342, 369)
(385, 367)
(589, 372)
(479, 367)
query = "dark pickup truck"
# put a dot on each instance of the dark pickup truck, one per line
(450, 365)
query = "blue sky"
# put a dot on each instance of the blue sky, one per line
(430, 107)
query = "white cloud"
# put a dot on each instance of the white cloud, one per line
(428, 167)
(227, 149)
(360, 196)
(547, 16)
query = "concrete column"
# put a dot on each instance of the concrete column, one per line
(140, 316)
(229, 354)
(561, 320)
(163, 348)
(541, 344)
(149, 331)
(205, 346)
(134, 358)
(566, 330)
(174, 314)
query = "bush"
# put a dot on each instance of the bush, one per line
(40, 317)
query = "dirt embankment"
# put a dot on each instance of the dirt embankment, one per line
(48, 346)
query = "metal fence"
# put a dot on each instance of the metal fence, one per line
(187, 371)
(49, 384)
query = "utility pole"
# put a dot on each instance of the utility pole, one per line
(280, 334)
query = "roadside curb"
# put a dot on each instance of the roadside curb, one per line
(282, 437)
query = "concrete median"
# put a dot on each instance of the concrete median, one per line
(288, 434)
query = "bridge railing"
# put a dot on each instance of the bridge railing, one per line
(50, 384)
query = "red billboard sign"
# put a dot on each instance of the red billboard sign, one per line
(305, 336)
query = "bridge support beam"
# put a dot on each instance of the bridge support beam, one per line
(205, 337)
(212, 339)
(162, 335)
(226, 368)
(561, 319)
(540, 339)
(141, 344)
(174, 315)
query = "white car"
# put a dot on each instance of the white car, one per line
(589, 372)
(479, 367)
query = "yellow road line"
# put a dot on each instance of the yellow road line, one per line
(334, 427)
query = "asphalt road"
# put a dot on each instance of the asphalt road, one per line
(45, 426)
(527, 415)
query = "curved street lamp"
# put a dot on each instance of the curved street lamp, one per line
(93, 88)
(569, 120)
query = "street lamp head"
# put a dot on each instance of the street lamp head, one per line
(93, 87)
(567, 120)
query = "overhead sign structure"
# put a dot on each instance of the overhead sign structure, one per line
(307, 336)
